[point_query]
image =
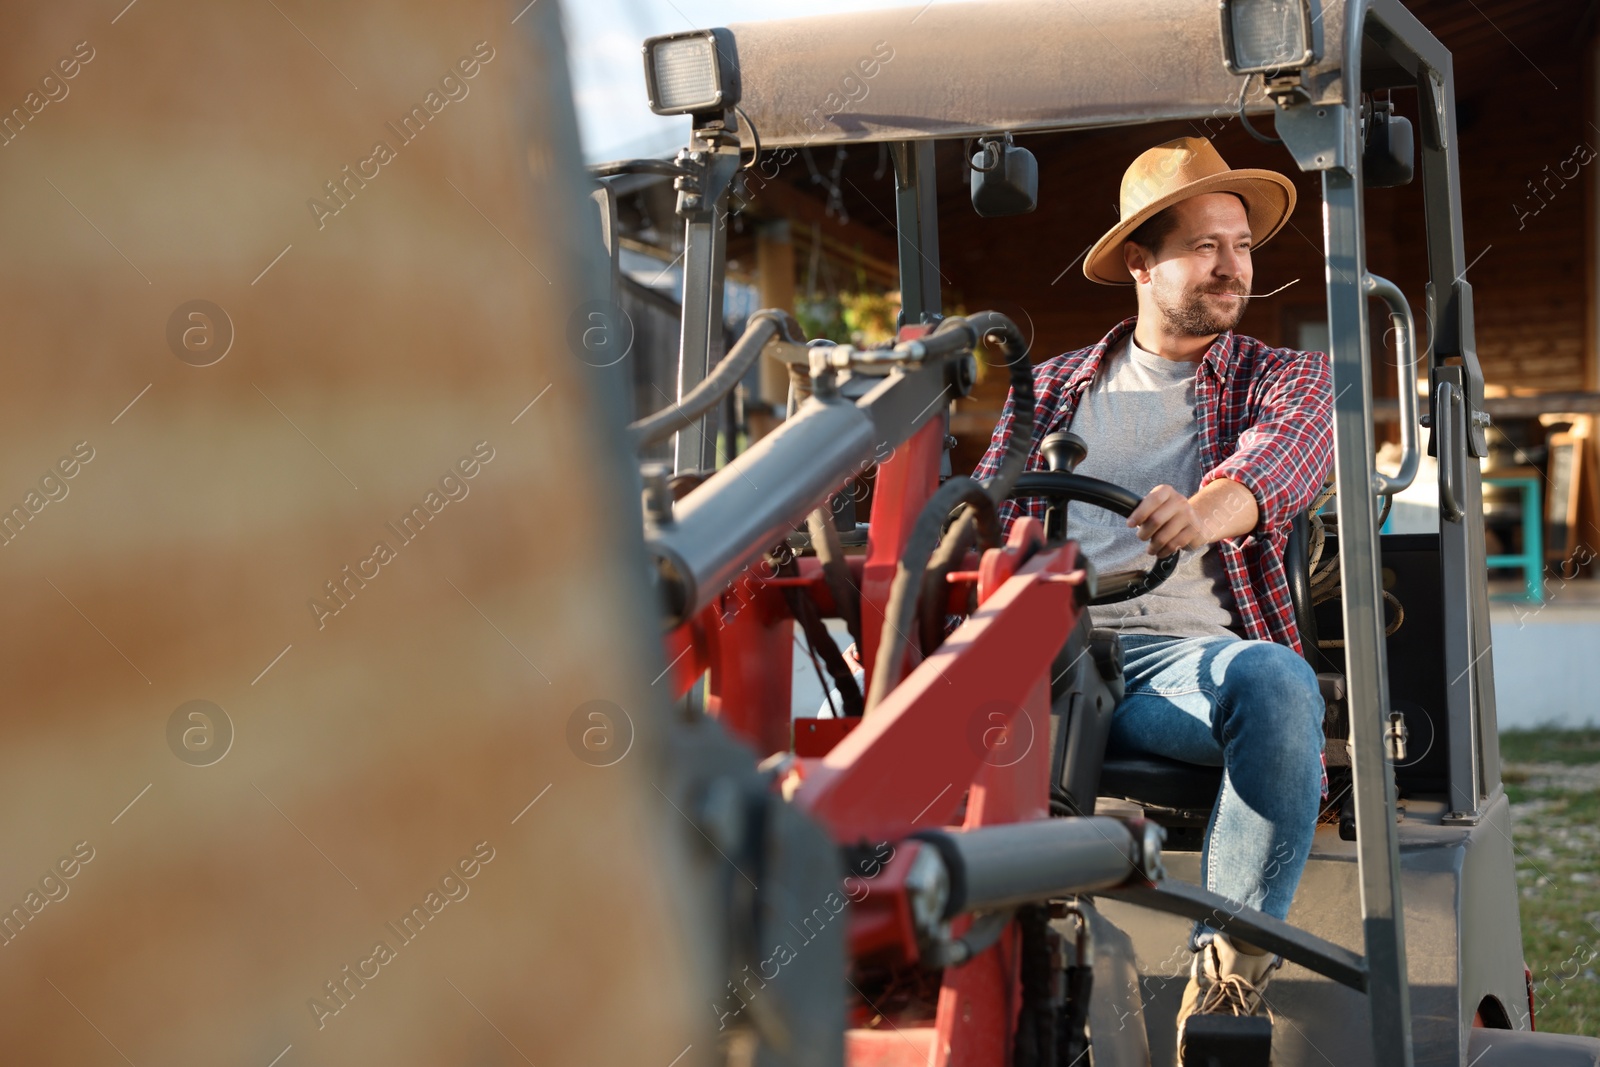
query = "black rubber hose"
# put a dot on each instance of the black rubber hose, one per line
(664, 167)
(963, 532)
(952, 551)
(927, 533)
(980, 936)
(761, 328)
(992, 324)
(822, 644)
(835, 571)
(901, 612)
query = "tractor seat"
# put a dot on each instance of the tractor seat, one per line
(1159, 782)
(1186, 789)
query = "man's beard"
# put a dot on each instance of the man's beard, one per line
(1192, 316)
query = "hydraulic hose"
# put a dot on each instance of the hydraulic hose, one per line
(984, 932)
(664, 167)
(762, 327)
(835, 571)
(821, 642)
(927, 532)
(900, 615)
(952, 551)
(993, 325)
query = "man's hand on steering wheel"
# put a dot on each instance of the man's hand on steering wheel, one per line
(1169, 521)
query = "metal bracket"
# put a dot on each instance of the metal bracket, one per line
(709, 170)
(1287, 89)
(1471, 376)
(1436, 96)
(1319, 136)
(711, 162)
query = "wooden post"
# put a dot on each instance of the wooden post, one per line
(1591, 200)
(775, 278)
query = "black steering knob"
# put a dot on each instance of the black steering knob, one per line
(1063, 451)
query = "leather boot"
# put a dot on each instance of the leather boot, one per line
(1225, 980)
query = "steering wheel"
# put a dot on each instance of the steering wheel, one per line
(1066, 450)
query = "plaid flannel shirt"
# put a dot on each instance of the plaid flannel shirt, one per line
(1266, 421)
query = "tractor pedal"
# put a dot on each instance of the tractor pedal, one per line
(1227, 1041)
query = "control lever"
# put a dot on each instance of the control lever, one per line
(1063, 451)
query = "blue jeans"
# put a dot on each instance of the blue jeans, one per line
(1252, 708)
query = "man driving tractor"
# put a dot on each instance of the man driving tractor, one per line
(1226, 439)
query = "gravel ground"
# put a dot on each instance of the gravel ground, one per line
(1553, 780)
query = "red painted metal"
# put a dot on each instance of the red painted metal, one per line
(967, 731)
(751, 656)
(908, 764)
(978, 1004)
(906, 479)
(890, 1046)
(685, 649)
(970, 723)
(998, 565)
(816, 737)
(963, 739)
(880, 916)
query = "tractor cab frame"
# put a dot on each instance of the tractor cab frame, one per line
(1431, 959)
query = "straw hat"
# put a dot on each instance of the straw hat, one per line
(1176, 171)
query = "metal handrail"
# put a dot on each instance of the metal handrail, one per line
(1406, 349)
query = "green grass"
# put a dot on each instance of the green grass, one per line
(1553, 780)
(1550, 746)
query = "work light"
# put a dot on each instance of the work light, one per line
(691, 72)
(1269, 36)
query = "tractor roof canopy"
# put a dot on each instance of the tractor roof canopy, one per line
(968, 69)
(963, 70)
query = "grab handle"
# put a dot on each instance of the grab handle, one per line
(1445, 408)
(1406, 327)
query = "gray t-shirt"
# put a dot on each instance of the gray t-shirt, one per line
(1138, 418)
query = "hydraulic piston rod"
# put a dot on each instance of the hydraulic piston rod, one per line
(1003, 866)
